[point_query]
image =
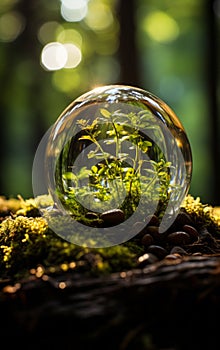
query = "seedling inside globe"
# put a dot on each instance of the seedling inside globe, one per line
(116, 156)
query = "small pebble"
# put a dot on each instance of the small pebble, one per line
(193, 233)
(178, 255)
(183, 219)
(178, 250)
(91, 215)
(113, 217)
(178, 237)
(95, 221)
(147, 240)
(154, 232)
(171, 257)
(157, 250)
(152, 220)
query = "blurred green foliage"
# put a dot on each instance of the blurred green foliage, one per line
(37, 84)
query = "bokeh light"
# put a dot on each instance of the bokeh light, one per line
(99, 16)
(74, 55)
(161, 27)
(11, 26)
(73, 10)
(47, 32)
(54, 56)
(69, 35)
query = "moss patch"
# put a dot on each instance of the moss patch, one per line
(28, 245)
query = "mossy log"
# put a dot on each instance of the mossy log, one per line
(87, 303)
(169, 305)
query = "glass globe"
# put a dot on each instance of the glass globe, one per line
(115, 157)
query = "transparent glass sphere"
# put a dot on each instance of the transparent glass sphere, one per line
(115, 157)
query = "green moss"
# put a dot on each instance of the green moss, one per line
(26, 242)
(202, 214)
(10, 205)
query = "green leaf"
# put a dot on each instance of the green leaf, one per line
(123, 138)
(109, 141)
(102, 155)
(91, 154)
(83, 173)
(94, 169)
(105, 113)
(144, 145)
(111, 132)
(102, 170)
(86, 137)
(128, 169)
(69, 176)
(122, 155)
(123, 119)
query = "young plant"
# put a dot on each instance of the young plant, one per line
(123, 166)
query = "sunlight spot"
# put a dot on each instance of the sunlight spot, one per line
(161, 27)
(54, 56)
(74, 56)
(72, 265)
(47, 32)
(62, 285)
(123, 274)
(74, 10)
(99, 16)
(52, 269)
(143, 257)
(12, 289)
(11, 26)
(45, 278)
(64, 267)
(74, 4)
(70, 36)
(39, 272)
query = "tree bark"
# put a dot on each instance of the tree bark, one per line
(128, 53)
